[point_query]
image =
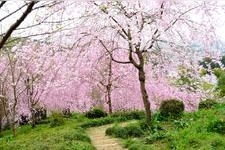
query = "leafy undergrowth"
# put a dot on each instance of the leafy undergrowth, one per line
(68, 136)
(60, 133)
(114, 118)
(200, 130)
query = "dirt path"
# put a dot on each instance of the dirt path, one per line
(101, 141)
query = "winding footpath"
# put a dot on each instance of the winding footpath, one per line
(102, 141)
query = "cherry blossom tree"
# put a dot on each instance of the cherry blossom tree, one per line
(140, 30)
(98, 58)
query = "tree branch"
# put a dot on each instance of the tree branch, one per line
(157, 30)
(2, 3)
(131, 50)
(120, 26)
(13, 12)
(110, 54)
(154, 37)
(17, 23)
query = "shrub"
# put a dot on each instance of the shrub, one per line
(97, 122)
(131, 130)
(207, 104)
(217, 126)
(95, 113)
(128, 115)
(171, 109)
(56, 119)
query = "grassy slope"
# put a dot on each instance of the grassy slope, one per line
(66, 137)
(70, 136)
(190, 132)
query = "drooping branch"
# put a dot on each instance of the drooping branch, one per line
(17, 23)
(182, 14)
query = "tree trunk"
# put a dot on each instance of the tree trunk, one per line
(141, 75)
(6, 113)
(109, 87)
(13, 124)
(109, 101)
(33, 118)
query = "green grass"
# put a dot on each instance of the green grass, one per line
(58, 133)
(202, 130)
(68, 136)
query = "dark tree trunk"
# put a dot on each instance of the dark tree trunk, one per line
(13, 125)
(141, 75)
(109, 87)
(109, 101)
(33, 118)
(6, 113)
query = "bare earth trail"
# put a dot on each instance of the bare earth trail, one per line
(102, 141)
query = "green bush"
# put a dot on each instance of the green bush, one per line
(207, 104)
(128, 115)
(116, 117)
(56, 119)
(171, 109)
(217, 126)
(97, 122)
(131, 130)
(95, 113)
